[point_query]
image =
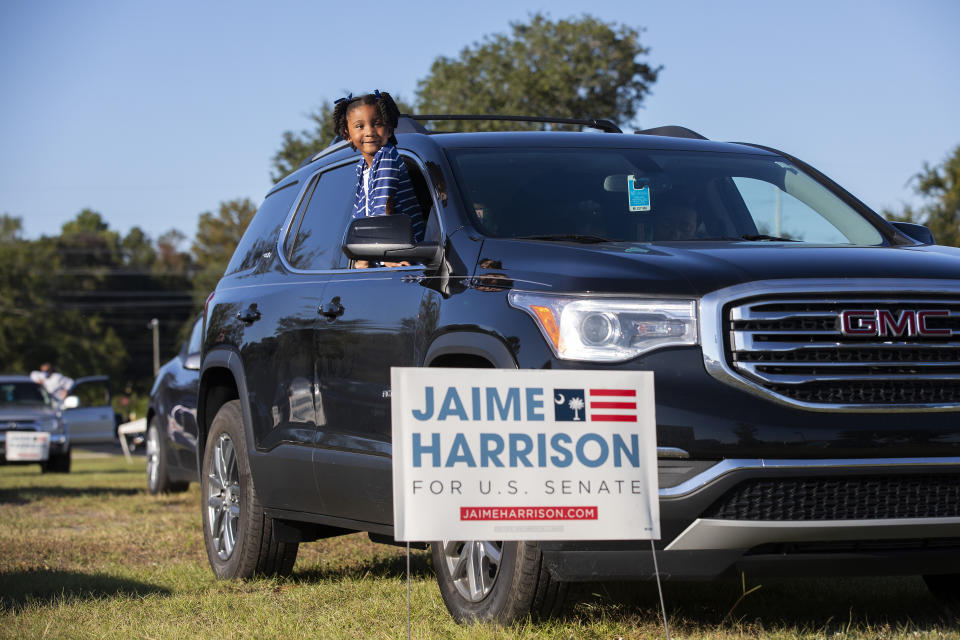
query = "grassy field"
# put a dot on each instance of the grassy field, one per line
(93, 555)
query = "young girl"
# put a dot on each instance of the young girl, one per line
(383, 184)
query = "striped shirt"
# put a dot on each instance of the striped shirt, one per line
(388, 179)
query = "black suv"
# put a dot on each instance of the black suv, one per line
(805, 352)
(171, 439)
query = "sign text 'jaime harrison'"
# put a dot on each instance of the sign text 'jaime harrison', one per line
(511, 455)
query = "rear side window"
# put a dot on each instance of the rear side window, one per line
(196, 335)
(317, 231)
(262, 233)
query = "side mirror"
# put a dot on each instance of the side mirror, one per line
(918, 232)
(192, 362)
(387, 238)
(71, 402)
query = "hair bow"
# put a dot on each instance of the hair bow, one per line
(347, 99)
(376, 93)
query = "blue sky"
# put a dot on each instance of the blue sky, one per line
(152, 113)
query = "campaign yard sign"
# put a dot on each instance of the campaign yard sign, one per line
(523, 454)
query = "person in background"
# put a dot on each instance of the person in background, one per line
(52, 380)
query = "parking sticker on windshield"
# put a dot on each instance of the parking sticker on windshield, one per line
(638, 197)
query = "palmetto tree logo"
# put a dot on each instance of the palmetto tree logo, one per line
(576, 405)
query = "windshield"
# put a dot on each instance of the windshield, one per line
(23, 394)
(639, 195)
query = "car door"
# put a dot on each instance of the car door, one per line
(87, 411)
(182, 391)
(375, 319)
(283, 378)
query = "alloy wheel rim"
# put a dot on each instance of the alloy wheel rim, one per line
(473, 565)
(153, 456)
(223, 496)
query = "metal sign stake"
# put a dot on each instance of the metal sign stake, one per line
(408, 591)
(656, 573)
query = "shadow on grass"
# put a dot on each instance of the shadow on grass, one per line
(98, 472)
(21, 588)
(832, 605)
(25, 495)
(379, 567)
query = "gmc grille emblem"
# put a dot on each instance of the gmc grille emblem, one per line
(883, 322)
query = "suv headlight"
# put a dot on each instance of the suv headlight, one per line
(49, 424)
(601, 329)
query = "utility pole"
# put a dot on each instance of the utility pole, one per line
(155, 325)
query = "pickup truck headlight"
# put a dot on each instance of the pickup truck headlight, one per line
(602, 329)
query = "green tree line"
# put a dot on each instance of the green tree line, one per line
(83, 299)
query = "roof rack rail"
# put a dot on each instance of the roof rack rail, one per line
(602, 125)
(408, 123)
(672, 131)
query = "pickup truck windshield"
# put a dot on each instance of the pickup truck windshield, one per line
(23, 394)
(638, 195)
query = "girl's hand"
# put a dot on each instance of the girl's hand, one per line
(396, 264)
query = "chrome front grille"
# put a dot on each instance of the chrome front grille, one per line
(18, 425)
(868, 350)
(786, 340)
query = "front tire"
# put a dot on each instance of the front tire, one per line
(502, 582)
(158, 478)
(237, 534)
(58, 463)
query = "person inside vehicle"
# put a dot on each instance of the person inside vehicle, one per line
(676, 220)
(383, 184)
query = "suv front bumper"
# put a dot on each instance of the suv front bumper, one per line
(908, 524)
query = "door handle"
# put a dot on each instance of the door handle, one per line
(251, 315)
(332, 310)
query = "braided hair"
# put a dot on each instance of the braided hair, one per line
(386, 109)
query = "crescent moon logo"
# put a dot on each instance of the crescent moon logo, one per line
(559, 399)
